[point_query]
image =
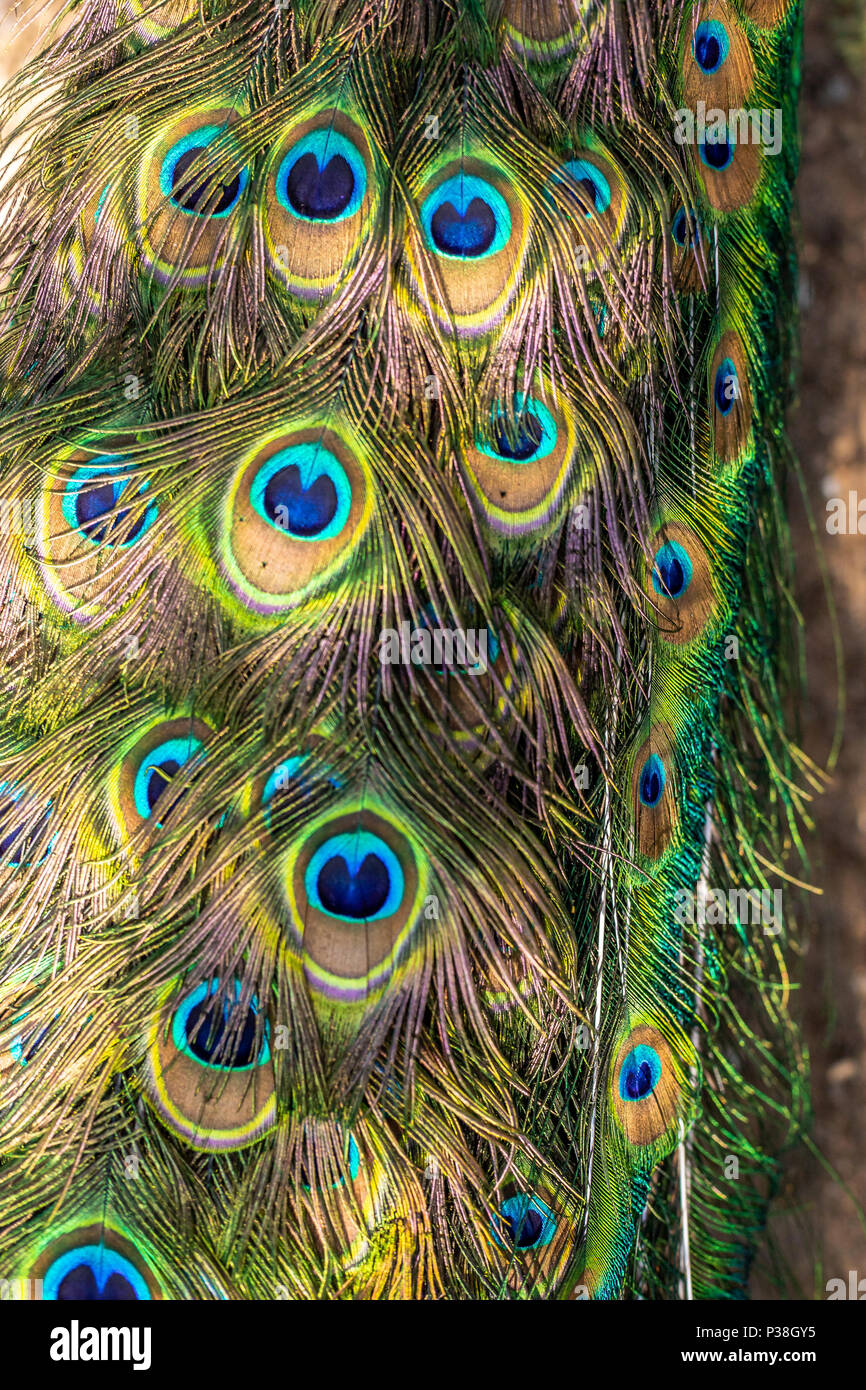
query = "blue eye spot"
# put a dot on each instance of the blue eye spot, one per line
(529, 436)
(158, 768)
(717, 154)
(303, 491)
(466, 217)
(672, 570)
(710, 46)
(594, 195)
(651, 784)
(323, 177)
(525, 440)
(93, 1274)
(90, 503)
(525, 1222)
(640, 1073)
(355, 876)
(199, 191)
(726, 387)
(214, 1035)
(684, 225)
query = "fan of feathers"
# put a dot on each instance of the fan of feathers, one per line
(395, 616)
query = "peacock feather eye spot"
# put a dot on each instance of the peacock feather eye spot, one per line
(212, 1032)
(94, 1274)
(322, 178)
(651, 785)
(466, 218)
(303, 491)
(640, 1073)
(158, 769)
(187, 182)
(355, 877)
(717, 154)
(725, 386)
(672, 570)
(710, 46)
(464, 233)
(92, 500)
(525, 1222)
(320, 194)
(522, 445)
(193, 192)
(529, 435)
(593, 194)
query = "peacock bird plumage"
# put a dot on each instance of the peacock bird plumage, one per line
(397, 634)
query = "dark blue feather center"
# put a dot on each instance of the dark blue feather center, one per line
(159, 779)
(671, 573)
(725, 387)
(296, 509)
(708, 51)
(469, 234)
(524, 443)
(357, 895)
(320, 194)
(95, 515)
(191, 192)
(80, 1286)
(651, 786)
(207, 1029)
(525, 1229)
(717, 154)
(639, 1081)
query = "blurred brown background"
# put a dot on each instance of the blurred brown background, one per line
(816, 1223)
(815, 1226)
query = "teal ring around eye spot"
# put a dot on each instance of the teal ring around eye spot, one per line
(639, 1074)
(460, 190)
(651, 785)
(582, 171)
(672, 570)
(549, 432)
(313, 462)
(98, 1258)
(517, 1212)
(106, 469)
(353, 847)
(710, 46)
(323, 145)
(198, 139)
(174, 750)
(192, 1001)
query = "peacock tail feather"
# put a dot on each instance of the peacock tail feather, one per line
(396, 618)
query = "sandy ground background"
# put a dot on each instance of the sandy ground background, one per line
(815, 1226)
